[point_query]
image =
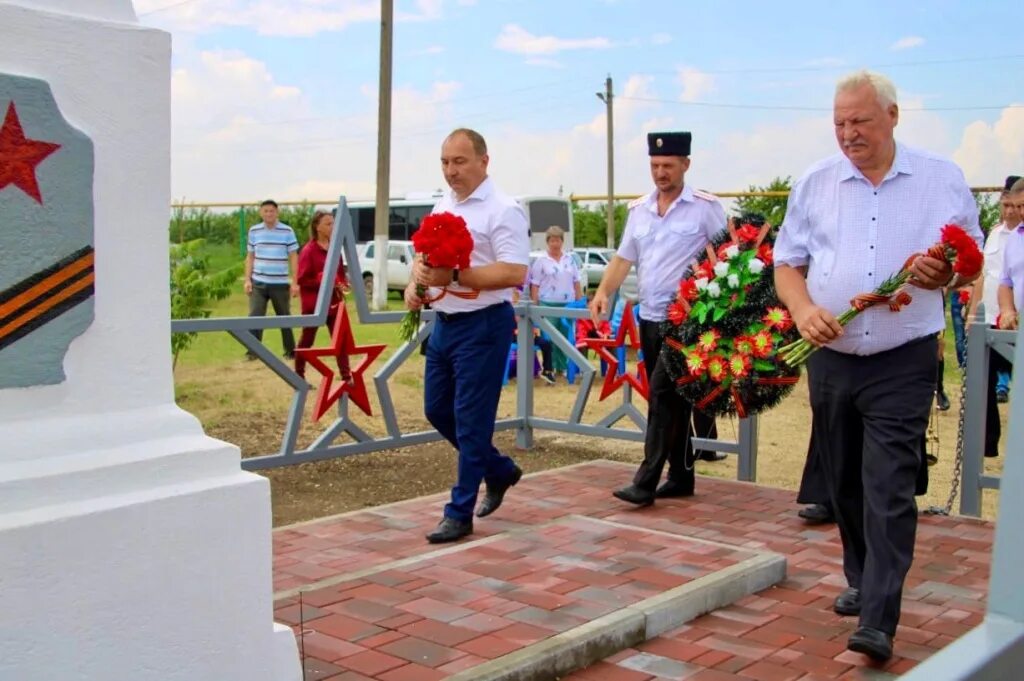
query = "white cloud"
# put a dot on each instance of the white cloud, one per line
(515, 39)
(695, 84)
(987, 153)
(661, 39)
(907, 43)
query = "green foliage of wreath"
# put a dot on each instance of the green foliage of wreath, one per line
(725, 328)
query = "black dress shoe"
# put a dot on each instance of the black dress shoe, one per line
(712, 456)
(848, 602)
(495, 495)
(634, 495)
(817, 514)
(943, 401)
(874, 643)
(672, 489)
(450, 529)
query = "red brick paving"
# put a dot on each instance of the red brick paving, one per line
(434, 618)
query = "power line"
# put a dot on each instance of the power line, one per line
(844, 67)
(771, 107)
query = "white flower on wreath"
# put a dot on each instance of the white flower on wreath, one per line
(756, 266)
(732, 251)
(734, 280)
(701, 283)
(721, 268)
(714, 290)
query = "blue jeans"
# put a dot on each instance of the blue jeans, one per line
(466, 357)
(959, 333)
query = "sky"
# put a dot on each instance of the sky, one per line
(278, 98)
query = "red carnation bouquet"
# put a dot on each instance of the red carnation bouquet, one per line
(956, 247)
(442, 240)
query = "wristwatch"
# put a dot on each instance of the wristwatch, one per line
(455, 276)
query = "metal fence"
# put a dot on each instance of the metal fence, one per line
(525, 421)
(981, 342)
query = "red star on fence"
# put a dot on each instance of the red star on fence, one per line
(612, 379)
(19, 156)
(341, 342)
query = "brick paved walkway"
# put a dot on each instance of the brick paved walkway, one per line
(382, 604)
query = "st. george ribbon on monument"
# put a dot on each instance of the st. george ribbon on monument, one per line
(132, 546)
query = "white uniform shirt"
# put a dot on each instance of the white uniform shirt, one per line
(994, 246)
(500, 232)
(555, 279)
(852, 235)
(663, 247)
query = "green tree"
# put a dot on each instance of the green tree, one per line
(591, 224)
(193, 288)
(988, 210)
(773, 208)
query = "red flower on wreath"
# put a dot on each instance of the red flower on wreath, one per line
(765, 254)
(778, 318)
(677, 313)
(744, 345)
(696, 362)
(739, 365)
(717, 368)
(705, 270)
(762, 343)
(688, 289)
(748, 233)
(708, 340)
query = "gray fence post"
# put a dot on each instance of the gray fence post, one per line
(524, 378)
(974, 414)
(746, 467)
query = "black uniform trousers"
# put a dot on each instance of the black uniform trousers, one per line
(668, 420)
(870, 414)
(993, 429)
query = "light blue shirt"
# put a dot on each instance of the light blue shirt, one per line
(271, 247)
(665, 246)
(852, 236)
(1013, 268)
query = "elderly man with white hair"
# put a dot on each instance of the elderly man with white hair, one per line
(852, 221)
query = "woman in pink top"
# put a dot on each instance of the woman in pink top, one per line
(312, 262)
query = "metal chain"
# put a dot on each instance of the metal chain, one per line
(954, 489)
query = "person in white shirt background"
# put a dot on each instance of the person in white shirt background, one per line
(986, 289)
(852, 220)
(555, 280)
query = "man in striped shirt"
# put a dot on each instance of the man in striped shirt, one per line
(272, 255)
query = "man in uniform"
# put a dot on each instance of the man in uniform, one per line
(852, 221)
(665, 232)
(468, 348)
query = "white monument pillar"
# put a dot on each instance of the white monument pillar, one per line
(132, 546)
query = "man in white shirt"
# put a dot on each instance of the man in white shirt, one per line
(851, 222)
(555, 280)
(986, 288)
(665, 231)
(469, 346)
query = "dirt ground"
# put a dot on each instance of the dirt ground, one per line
(246, 404)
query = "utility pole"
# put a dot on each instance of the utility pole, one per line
(607, 97)
(382, 212)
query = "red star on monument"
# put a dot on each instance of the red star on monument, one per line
(342, 342)
(612, 379)
(19, 156)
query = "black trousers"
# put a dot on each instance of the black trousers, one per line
(993, 429)
(279, 295)
(668, 420)
(870, 414)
